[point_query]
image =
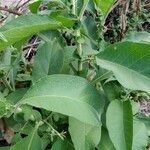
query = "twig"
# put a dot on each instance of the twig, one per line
(23, 4)
(119, 2)
(18, 4)
(147, 5)
(10, 11)
(83, 10)
(61, 136)
(29, 51)
(31, 45)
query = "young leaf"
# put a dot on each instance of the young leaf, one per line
(130, 64)
(104, 5)
(119, 123)
(66, 94)
(48, 60)
(140, 136)
(84, 136)
(31, 142)
(105, 143)
(35, 6)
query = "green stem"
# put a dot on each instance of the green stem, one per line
(78, 33)
(83, 9)
(80, 52)
(73, 2)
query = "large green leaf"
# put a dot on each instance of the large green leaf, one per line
(119, 123)
(105, 143)
(48, 60)
(26, 26)
(31, 142)
(129, 62)
(140, 136)
(84, 136)
(66, 94)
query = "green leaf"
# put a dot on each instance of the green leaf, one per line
(51, 35)
(31, 142)
(25, 26)
(84, 136)
(119, 123)
(140, 136)
(104, 5)
(35, 6)
(62, 145)
(65, 19)
(68, 58)
(138, 37)
(90, 27)
(3, 110)
(5, 148)
(91, 31)
(17, 95)
(135, 107)
(105, 143)
(56, 4)
(48, 60)
(130, 64)
(80, 6)
(112, 90)
(66, 94)
(3, 38)
(29, 25)
(146, 121)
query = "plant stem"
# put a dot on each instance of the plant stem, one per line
(73, 2)
(23, 4)
(78, 33)
(80, 52)
(79, 46)
(83, 9)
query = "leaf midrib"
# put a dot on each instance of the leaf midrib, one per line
(123, 122)
(32, 26)
(72, 100)
(30, 142)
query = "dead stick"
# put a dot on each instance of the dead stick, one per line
(24, 4)
(10, 11)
